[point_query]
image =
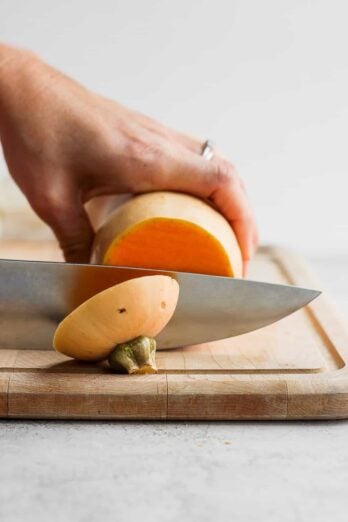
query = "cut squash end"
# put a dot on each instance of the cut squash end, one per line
(170, 244)
(169, 231)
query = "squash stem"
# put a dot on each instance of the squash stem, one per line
(134, 357)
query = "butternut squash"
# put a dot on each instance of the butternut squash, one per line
(123, 319)
(169, 231)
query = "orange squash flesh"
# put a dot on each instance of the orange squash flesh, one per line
(172, 242)
(169, 231)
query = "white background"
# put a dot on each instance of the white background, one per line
(267, 80)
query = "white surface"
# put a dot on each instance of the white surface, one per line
(267, 80)
(178, 472)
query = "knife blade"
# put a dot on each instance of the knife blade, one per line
(36, 295)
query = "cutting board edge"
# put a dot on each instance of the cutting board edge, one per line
(188, 397)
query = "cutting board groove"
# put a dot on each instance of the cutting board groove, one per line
(295, 369)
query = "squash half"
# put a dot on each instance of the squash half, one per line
(169, 231)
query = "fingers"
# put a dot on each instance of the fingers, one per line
(230, 197)
(232, 202)
(75, 235)
(64, 212)
(219, 181)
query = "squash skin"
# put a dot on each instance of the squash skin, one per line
(138, 307)
(153, 209)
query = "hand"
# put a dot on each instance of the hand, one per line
(65, 145)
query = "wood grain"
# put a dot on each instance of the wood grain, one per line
(295, 369)
(4, 386)
(89, 395)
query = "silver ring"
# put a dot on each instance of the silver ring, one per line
(208, 150)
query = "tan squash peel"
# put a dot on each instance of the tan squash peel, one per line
(120, 323)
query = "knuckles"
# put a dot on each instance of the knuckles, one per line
(47, 204)
(52, 204)
(225, 174)
(76, 250)
(153, 161)
(149, 154)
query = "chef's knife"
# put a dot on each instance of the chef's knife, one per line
(36, 295)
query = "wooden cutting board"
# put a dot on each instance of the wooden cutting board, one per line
(295, 369)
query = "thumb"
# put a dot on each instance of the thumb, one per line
(68, 219)
(75, 234)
